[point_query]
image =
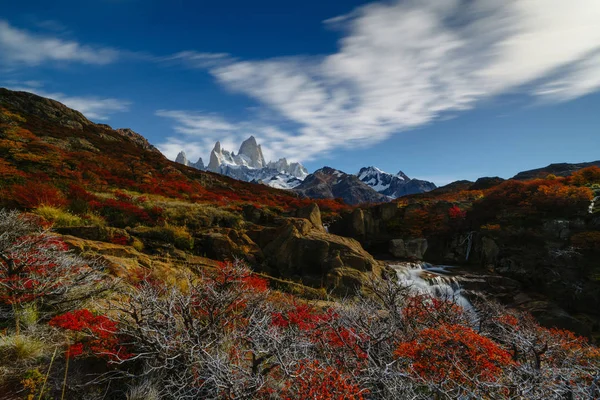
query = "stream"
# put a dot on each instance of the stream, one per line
(435, 280)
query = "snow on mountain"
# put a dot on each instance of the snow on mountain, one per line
(393, 186)
(249, 165)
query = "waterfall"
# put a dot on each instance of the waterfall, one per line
(592, 204)
(434, 280)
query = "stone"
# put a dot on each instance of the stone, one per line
(397, 248)
(413, 249)
(313, 214)
(558, 228)
(489, 250)
(416, 248)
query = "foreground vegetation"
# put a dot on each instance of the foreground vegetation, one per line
(72, 331)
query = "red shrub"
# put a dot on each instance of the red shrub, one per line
(454, 354)
(101, 334)
(35, 194)
(311, 380)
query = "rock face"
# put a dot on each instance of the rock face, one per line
(137, 139)
(249, 165)
(252, 153)
(329, 183)
(393, 186)
(411, 249)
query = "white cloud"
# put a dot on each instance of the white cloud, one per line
(200, 131)
(20, 47)
(95, 108)
(405, 64)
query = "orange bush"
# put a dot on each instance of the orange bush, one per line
(586, 176)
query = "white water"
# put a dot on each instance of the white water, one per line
(434, 280)
(591, 208)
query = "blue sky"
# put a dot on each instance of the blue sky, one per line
(440, 89)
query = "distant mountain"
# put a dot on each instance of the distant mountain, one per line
(393, 186)
(329, 183)
(562, 169)
(249, 165)
(182, 159)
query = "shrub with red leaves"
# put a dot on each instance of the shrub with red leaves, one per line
(98, 334)
(454, 354)
(312, 380)
(35, 194)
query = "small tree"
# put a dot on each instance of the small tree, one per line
(36, 266)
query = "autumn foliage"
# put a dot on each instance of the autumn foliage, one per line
(93, 335)
(454, 353)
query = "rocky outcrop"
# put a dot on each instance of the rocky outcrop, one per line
(313, 214)
(137, 139)
(300, 249)
(228, 244)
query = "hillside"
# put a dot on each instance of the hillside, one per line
(562, 169)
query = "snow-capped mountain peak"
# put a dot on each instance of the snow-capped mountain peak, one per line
(393, 185)
(250, 165)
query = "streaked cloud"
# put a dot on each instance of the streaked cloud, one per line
(405, 64)
(21, 47)
(194, 59)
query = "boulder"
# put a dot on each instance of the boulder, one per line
(226, 243)
(297, 250)
(397, 248)
(557, 228)
(413, 249)
(416, 248)
(313, 214)
(489, 250)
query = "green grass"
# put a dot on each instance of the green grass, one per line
(20, 348)
(59, 217)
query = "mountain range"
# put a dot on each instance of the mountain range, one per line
(370, 184)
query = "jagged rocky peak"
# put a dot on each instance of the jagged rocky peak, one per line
(393, 186)
(251, 153)
(294, 169)
(249, 165)
(218, 157)
(182, 159)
